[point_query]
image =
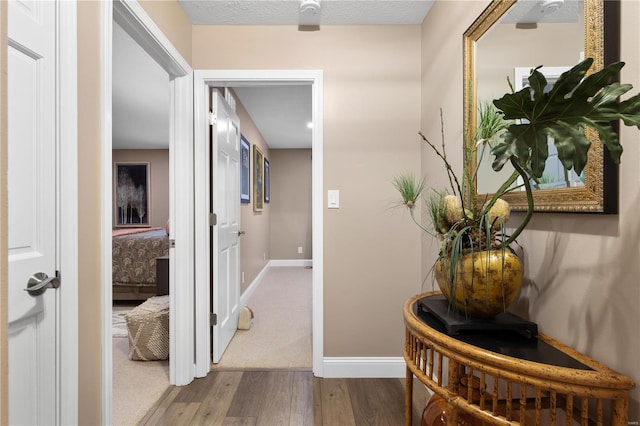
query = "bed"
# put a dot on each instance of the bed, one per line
(134, 253)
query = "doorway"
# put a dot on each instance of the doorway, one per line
(135, 21)
(203, 81)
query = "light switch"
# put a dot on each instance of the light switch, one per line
(333, 199)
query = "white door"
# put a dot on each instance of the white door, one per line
(32, 174)
(225, 196)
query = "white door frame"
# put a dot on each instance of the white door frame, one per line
(203, 80)
(137, 23)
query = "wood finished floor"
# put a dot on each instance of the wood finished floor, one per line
(282, 397)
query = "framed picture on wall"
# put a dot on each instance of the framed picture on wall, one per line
(267, 181)
(245, 167)
(131, 187)
(258, 180)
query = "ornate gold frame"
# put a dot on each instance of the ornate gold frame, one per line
(599, 195)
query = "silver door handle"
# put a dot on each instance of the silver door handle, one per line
(39, 282)
(240, 233)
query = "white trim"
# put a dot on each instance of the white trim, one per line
(201, 225)
(181, 280)
(253, 286)
(136, 22)
(364, 367)
(68, 212)
(279, 263)
(106, 224)
(317, 223)
(203, 79)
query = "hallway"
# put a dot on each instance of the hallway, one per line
(280, 336)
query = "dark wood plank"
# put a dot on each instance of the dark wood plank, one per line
(366, 401)
(284, 397)
(336, 404)
(214, 408)
(197, 390)
(389, 394)
(317, 401)
(248, 398)
(155, 415)
(239, 421)
(180, 413)
(420, 397)
(276, 405)
(302, 400)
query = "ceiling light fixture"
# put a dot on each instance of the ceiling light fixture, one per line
(309, 12)
(550, 6)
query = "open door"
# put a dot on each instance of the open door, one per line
(225, 214)
(42, 223)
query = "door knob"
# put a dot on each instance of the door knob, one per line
(39, 282)
(240, 233)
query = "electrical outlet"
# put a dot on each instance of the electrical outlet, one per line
(264, 256)
(242, 279)
(299, 250)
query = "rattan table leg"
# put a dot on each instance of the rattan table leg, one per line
(408, 398)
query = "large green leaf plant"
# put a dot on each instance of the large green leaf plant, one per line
(518, 127)
(562, 114)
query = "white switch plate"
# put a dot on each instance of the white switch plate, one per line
(333, 199)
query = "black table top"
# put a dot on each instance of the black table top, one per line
(505, 342)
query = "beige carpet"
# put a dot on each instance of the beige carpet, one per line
(280, 336)
(137, 385)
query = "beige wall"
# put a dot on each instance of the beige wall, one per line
(89, 215)
(173, 22)
(581, 270)
(254, 251)
(290, 203)
(371, 118)
(158, 160)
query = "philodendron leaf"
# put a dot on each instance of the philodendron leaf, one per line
(575, 101)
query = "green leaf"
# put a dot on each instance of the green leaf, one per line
(575, 101)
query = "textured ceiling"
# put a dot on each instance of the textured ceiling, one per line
(287, 12)
(544, 11)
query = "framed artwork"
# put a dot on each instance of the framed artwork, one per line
(131, 187)
(258, 179)
(267, 181)
(245, 167)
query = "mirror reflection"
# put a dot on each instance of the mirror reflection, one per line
(531, 33)
(506, 41)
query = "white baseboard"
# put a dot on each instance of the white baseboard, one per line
(361, 367)
(254, 284)
(291, 262)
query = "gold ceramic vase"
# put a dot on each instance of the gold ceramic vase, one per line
(484, 283)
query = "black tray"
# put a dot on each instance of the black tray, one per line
(455, 322)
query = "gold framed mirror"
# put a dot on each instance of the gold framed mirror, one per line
(511, 36)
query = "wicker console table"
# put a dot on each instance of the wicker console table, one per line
(507, 378)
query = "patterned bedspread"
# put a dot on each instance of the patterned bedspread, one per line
(134, 257)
